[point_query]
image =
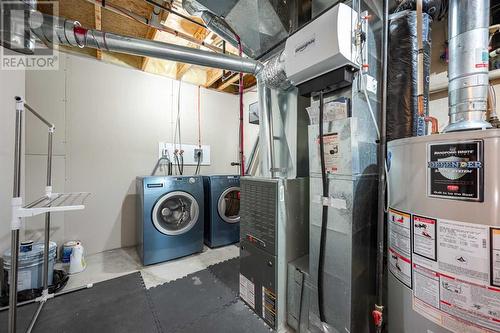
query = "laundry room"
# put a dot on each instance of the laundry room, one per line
(249, 166)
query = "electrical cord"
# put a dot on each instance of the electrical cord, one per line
(324, 214)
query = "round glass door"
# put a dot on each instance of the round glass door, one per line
(175, 213)
(229, 205)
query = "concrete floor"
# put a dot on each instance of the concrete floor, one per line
(111, 264)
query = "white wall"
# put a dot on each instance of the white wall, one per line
(109, 121)
(11, 84)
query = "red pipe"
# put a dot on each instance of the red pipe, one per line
(242, 155)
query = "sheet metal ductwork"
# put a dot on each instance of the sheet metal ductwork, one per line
(16, 38)
(260, 24)
(214, 23)
(468, 64)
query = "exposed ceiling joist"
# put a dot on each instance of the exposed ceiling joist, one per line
(134, 18)
(200, 35)
(153, 32)
(232, 80)
(213, 75)
(98, 25)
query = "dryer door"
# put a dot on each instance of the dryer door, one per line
(175, 213)
(229, 205)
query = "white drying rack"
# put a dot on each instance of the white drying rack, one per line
(50, 202)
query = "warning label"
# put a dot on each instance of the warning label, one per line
(495, 257)
(332, 152)
(399, 226)
(452, 278)
(424, 237)
(269, 306)
(247, 291)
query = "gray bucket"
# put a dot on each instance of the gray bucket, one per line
(30, 266)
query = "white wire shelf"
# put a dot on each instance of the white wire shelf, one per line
(57, 202)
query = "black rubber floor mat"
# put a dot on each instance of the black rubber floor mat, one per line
(195, 297)
(117, 305)
(236, 317)
(206, 301)
(228, 273)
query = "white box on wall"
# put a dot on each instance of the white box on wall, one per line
(189, 152)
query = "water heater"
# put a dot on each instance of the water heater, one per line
(443, 228)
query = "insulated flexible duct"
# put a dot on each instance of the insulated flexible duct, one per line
(402, 103)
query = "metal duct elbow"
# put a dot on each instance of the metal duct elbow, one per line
(213, 22)
(220, 27)
(468, 24)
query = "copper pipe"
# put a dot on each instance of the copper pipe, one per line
(434, 124)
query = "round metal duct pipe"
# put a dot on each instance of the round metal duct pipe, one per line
(61, 31)
(468, 64)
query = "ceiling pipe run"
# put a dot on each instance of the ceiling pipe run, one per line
(61, 31)
(468, 24)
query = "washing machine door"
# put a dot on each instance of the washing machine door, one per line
(175, 213)
(229, 205)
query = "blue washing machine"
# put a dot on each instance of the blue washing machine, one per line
(170, 217)
(222, 214)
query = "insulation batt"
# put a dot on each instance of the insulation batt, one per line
(402, 99)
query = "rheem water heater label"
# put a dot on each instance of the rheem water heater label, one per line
(455, 170)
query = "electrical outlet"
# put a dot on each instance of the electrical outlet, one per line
(198, 153)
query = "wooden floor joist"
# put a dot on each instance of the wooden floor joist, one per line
(98, 26)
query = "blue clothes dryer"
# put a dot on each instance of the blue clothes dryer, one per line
(222, 214)
(170, 217)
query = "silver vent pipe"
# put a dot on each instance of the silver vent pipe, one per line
(468, 23)
(60, 31)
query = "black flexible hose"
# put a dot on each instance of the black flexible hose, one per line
(324, 214)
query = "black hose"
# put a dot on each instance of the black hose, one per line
(324, 215)
(198, 164)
